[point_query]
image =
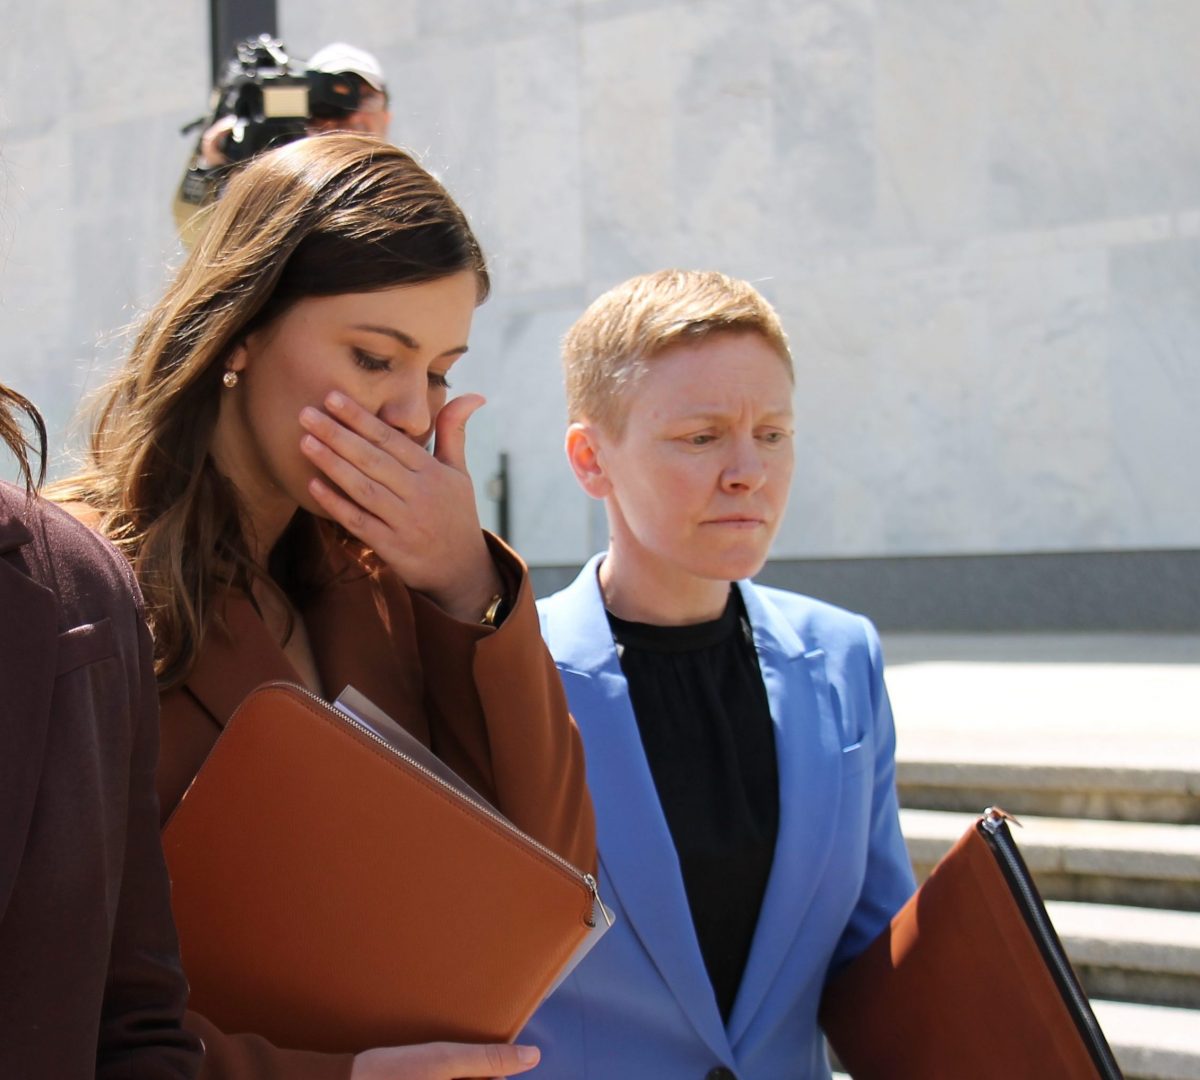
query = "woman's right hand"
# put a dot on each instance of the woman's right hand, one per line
(444, 1061)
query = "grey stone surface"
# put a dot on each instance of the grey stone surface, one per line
(1131, 938)
(978, 221)
(1111, 849)
(1151, 1042)
(91, 102)
(1148, 590)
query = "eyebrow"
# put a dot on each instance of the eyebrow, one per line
(407, 340)
(719, 414)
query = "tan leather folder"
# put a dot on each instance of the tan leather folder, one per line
(336, 887)
(969, 982)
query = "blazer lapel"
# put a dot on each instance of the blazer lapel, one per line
(234, 661)
(351, 628)
(28, 653)
(637, 853)
(347, 624)
(808, 746)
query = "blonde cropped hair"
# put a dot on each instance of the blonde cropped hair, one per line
(605, 353)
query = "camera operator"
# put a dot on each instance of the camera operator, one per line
(263, 101)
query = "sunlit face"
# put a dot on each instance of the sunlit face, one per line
(697, 484)
(389, 350)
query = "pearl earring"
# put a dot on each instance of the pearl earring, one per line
(230, 379)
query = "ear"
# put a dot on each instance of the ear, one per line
(237, 357)
(583, 446)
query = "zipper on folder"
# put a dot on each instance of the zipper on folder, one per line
(994, 828)
(588, 880)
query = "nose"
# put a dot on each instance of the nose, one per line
(407, 408)
(745, 471)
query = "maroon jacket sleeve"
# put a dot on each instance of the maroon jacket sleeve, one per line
(140, 1037)
(251, 1057)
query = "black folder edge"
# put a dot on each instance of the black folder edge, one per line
(993, 827)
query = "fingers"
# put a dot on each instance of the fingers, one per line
(352, 517)
(360, 436)
(450, 446)
(370, 465)
(488, 1060)
(444, 1061)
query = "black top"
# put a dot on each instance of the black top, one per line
(702, 711)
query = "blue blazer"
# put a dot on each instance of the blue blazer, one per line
(640, 1006)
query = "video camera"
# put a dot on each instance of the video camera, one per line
(271, 99)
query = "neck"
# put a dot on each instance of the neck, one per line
(642, 589)
(265, 510)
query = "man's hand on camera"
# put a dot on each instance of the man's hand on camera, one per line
(211, 154)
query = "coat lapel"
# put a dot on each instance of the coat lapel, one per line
(235, 659)
(636, 849)
(351, 627)
(28, 652)
(348, 630)
(808, 748)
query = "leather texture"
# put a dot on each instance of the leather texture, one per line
(487, 701)
(331, 897)
(955, 986)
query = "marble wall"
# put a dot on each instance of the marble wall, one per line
(92, 96)
(980, 221)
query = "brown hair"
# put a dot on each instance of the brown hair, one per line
(605, 352)
(23, 445)
(321, 216)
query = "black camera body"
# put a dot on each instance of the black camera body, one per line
(272, 99)
(266, 96)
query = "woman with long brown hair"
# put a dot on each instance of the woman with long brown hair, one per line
(262, 461)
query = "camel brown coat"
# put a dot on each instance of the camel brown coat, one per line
(90, 981)
(487, 701)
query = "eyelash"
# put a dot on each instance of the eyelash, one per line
(371, 363)
(379, 363)
(771, 438)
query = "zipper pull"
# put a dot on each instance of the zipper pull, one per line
(590, 882)
(995, 816)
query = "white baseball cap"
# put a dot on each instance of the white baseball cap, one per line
(342, 59)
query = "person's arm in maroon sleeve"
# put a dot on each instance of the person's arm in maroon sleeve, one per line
(140, 1034)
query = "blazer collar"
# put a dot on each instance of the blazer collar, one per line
(808, 759)
(349, 630)
(632, 831)
(30, 616)
(577, 626)
(14, 533)
(235, 658)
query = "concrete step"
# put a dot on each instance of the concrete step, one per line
(1110, 862)
(1152, 1042)
(1035, 778)
(1070, 726)
(1132, 954)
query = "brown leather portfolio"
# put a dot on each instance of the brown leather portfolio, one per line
(336, 887)
(969, 982)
